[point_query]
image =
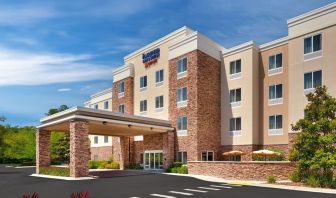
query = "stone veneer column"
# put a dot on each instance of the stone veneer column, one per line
(42, 149)
(168, 146)
(124, 152)
(79, 148)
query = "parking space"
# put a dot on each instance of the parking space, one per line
(15, 182)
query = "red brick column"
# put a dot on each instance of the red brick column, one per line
(168, 148)
(124, 152)
(79, 148)
(42, 149)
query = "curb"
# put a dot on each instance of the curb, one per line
(62, 178)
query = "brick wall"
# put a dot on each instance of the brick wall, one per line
(128, 97)
(242, 170)
(203, 109)
(103, 153)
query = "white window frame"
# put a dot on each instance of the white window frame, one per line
(142, 110)
(184, 126)
(311, 89)
(235, 132)
(96, 106)
(207, 155)
(106, 138)
(235, 75)
(183, 153)
(161, 106)
(121, 94)
(180, 101)
(312, 54)
(123, 107)
(182, 73)
(106, 105)
(276, 100)
(96, 139)
(276, 70)
(275, 131)
(235, 103)
(160, 82)
(143, 79)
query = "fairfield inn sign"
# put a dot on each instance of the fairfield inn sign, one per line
(151, 57)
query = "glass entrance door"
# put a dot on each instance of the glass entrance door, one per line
(153, 160)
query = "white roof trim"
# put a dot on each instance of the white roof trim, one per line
(312, 14)
(122, 69)
(274, 43)
(240, 48)
(103, 92)
(158, 42)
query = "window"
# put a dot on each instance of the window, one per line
(275, 61)
(106, 105)
(312, 44)
(141, 158)
(182, 65)
(95, 139)
(95, 157)
(106, 139)
(275, 92)
(182, 126)
(143, 83)
(159, 102)
(236, 158)
(235, 67)
(208, 156)
(121, 108)
(275, 125)
(138, 138)
(96, 106)
(235, 126)
(312, 79)
(121, 88)
(159, 77)
(143, 105)
(182, 96)
(182, 157)
(235, 95)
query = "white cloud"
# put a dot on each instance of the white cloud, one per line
(64, 89)
(33, 68)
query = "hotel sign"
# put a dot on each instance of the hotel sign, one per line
(151, 57)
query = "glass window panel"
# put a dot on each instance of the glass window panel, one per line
(161, 75)
(232, 124)
(232, 67)
(210, 156)
(157, 76)
(185, 123)
(121, 87)
(271, 64)
(238, 95)
(307, 45)
(271, 94)
(279, 91)
(179, 123)
(308, 81)
(238, 124)
(185, 63)
(105, 139)
(279, 122)
(271, 122)
(317, 41)
(185, 93)
(238, 66)
(278, 60)
(204, 156)
(184, 158)
(317, 78)
(232, 95)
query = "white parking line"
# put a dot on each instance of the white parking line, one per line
(234, 185)
(134, 197)
(159, 195)
(194, 190)
(181, 193)
(216, 186)
(207, 188)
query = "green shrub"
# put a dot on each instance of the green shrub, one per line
(178, 167)
(135, 166)
(295, 176)
(280, 157)
(100, 164)
(56, 171)
(271, 179)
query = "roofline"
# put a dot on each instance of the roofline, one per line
(121, 69)
(311, 14)
(103, 92)
(157, 42)
(76, 110)
(240, 48)
(274, 43)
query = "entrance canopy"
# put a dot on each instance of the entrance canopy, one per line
(103, 122)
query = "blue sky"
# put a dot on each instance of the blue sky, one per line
(61, 52)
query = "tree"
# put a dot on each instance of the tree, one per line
(314, 149)
(57, 110)
(60, 141)
(2, 119)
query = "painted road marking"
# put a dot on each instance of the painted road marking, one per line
(194, 190)
(181, 193)
(207, 188)
(220, 186)
(159, 195)
(235, 185)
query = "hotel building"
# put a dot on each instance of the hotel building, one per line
(216, 99)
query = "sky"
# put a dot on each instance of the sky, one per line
(61, 52)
